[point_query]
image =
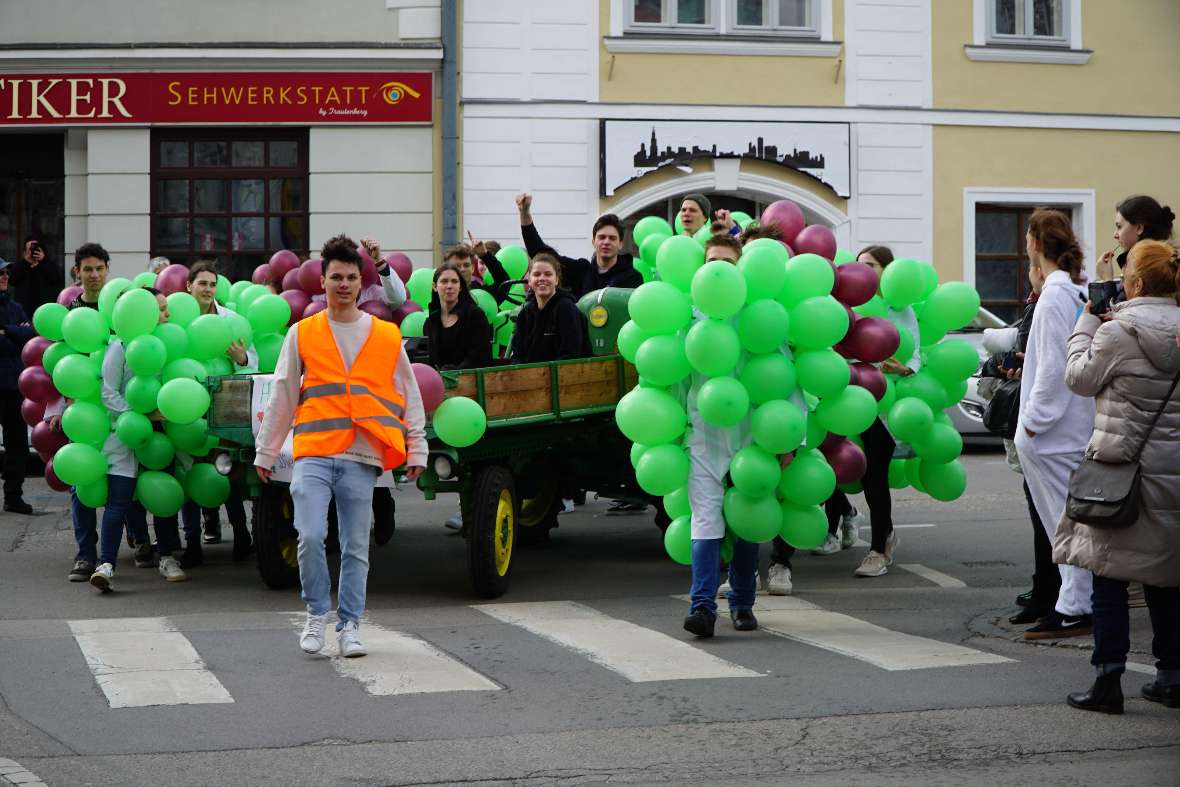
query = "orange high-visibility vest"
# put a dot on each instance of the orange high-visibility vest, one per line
(334, 402)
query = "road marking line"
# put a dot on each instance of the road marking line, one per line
(1145, 669)
(12, 772)
(927, 524)
(802, 621)
(937, 577)
(138, 662)
(401, 663)
(638, 654)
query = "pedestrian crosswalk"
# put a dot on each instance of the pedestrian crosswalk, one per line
(144, 662)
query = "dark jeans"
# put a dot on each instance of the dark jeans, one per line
(1046, 577)
(1112, 625)
(190, 517)
(120, 490)
(706, 574)
(85, 521)
(234, 508)
(16, 444)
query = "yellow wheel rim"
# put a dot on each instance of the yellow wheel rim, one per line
(505, 531)
(289, 549)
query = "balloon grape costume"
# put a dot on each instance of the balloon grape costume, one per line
(832, 317)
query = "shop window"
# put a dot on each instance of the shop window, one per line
(1001, 258)
(749, 17)
(235, 196)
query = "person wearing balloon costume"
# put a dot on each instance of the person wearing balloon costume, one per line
(15, 331)
(354, 415)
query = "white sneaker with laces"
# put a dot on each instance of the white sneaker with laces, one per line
(170, 569)
(778, 580)
(874, 565)
(567, 505)
(312, 638)
(850, 525)
(349, 639)
(103, 577)
(830, 546)
(891, 545)
(723, 589)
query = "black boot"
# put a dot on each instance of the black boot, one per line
(1105, 696)
(192, 555)
(1168, 696)
(700, 622)
(17, 505)
(242, 544)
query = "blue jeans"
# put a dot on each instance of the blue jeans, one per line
(315, 480)
(85, 521)
(190, 516)
(1112, 627)
(118, 511)
(706, 574)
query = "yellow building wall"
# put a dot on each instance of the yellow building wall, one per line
(1114, 164)
(1133, 71)
(720, 79)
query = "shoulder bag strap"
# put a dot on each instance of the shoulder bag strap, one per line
(1158, 413)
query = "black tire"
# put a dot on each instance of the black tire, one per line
(491, 530)
(275, 540)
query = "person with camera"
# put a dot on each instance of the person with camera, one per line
(1131, 365)
(35, 278)
(14, 332)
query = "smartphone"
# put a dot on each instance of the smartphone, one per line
(1010, 361)
(1102, 296)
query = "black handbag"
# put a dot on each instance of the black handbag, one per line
(1105, 495)
(1002, 412)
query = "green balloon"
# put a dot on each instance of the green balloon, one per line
(897, 479)
(768, 377)
(778, 427)
(910, 418)
(931, 333)
(843, 256)
(85, 330)
(913, 474)
(887, 401)
(649, 226)
(420, 284)
(269, 313)
(183, 400)
(76, 377)
(182, 309)
(218, 367)
(159, 492)
(156, 453)
(189, 438)
(413, 324)
(712, 347)
(649, 247)
(184, 367)
(952, 360)
(145, 279)
(48, 319)
(133, 429)
(483, 299)
(645, 270)
(940, 444)
(141, 394)
(678, 540)
(514, 259)
(657, 308)
(763, 326)
(808, 480)
(924, 386)
(718, 289)
(955, 392)
(270, 345)
(506, 329)
(765, 270)
(808, 276)
(223, 290)
(902, 283)
(175, 341)
(822, 373)
(631, 338)
(906, 347)
(723, 401)
(237, 288)
(146, 355)
(251, 294)
(207, 487)
(816, 433)
(650, 416)
(818, 322)
(78, 464)
(209, 336)
(752, 519)
(929, 280)
(94, 494)
(136, 313)
(945, 481)
(803, 527)
(741, 218)
(850, 412)
(677, 261)
(677, 504)
(460, 421)
(754, 472)
(873, 307)
(661, 360)
(637, 450)
(109, 294)
(662, 469)
(84, 422)
(54, 353)
(951, 306)
(727, 546)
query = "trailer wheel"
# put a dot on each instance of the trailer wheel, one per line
(491, 530)
(275, 540)
(538, 515)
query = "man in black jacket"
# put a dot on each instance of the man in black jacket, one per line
(14, 332)
(36, 279)
(607, 268)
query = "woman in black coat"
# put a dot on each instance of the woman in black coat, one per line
(459, 333)
(549, 326)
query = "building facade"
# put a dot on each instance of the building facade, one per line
(931, 126)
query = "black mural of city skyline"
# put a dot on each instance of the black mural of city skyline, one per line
(797, 159)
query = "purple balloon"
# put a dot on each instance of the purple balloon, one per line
(856, 283)
(282, 262)
(816, 239)
(430, 384)
(311, 276)
(871, 339)
(290, 280)
(315, 307)
(32, 411)
(409, 307)
(34, 349)
(870, 378)
(402, 265)
(847, 459)
(36, 384)
(377, 308)
(46, 441)
(262, 274)
(172, 279)
(787, 217)
(54, 482)
(298, 301)
(68, 294)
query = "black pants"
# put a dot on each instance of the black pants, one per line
(1046, 577)
(235, 509)
(1112, 623)
(16, 444)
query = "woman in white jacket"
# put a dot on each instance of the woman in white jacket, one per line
(1055, 424)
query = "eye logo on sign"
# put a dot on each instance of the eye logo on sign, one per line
(394, 92)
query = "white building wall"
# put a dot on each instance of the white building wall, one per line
(892, 186)
(118, 196)
(887, 53)
(76, 211)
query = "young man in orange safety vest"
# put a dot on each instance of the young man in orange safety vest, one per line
(344, 381)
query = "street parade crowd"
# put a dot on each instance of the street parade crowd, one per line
(1083, 388)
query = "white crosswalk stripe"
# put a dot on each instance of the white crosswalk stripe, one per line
(637, 653)
(139, 662)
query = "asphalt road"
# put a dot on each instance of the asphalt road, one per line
(580, 674)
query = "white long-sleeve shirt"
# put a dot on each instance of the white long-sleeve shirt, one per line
(284, 397)
(905, 319)
(1061, 420)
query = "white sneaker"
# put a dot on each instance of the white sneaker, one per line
(850, 525)
(455, 522)
(891, 545)
(724, 589)
(778, 580)
(349, 639)
(170, 569)
(874, 565)
(567, 505)
(312, 638)
(830, 546)
(103, 577)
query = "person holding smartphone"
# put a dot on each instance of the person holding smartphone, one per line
(35, 278)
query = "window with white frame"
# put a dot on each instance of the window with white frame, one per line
(749, 17)
(1025, 22)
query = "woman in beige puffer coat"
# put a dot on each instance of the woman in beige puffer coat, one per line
(1129, 364)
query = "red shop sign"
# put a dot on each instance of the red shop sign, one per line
(215, 97)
